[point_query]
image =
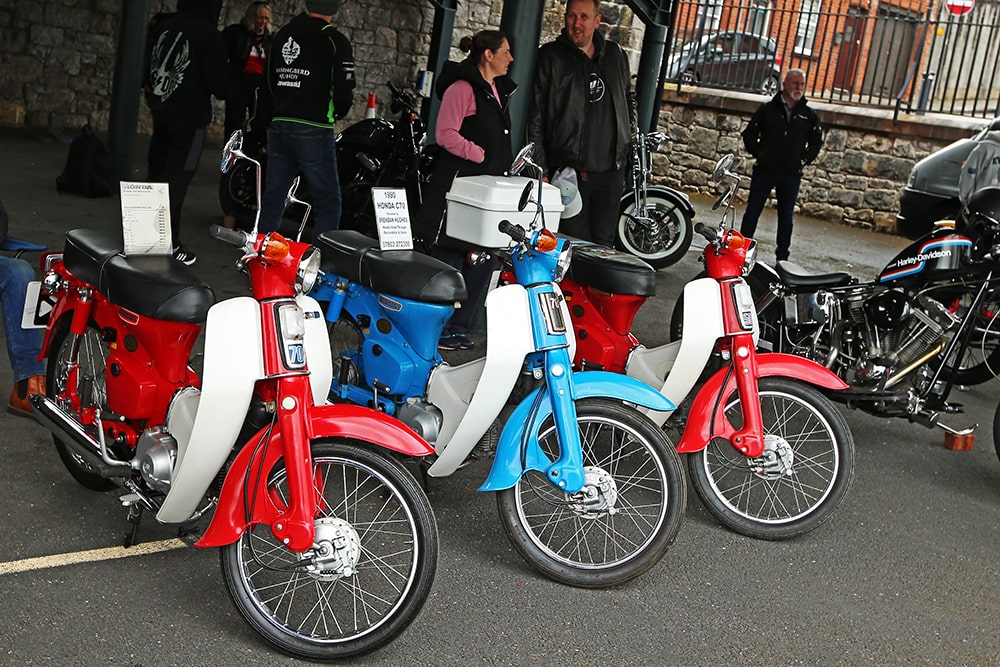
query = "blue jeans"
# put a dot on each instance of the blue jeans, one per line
(786, 191)
(294, 148)
(23, 345)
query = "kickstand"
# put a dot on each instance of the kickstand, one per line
(134, 517)
(425, 479)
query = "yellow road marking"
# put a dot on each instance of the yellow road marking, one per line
(111, 553)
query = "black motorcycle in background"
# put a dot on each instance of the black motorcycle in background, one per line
(928, 321)
(654, 222)
(373, 152)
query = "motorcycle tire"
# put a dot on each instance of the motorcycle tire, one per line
(376, 524)
(238, 190)
(802, 477)
(610, 538)
(663, 249)
(996, 430)
(981, 360)
(88, 353)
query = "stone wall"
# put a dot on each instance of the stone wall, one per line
(857, 178)
(57, 63)
(57, 57)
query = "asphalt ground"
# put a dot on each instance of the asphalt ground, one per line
(906, 572)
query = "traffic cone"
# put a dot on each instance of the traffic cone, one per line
(370, 109)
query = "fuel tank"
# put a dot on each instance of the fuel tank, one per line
(371, 136)
(939, 252)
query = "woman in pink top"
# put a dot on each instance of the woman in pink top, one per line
(473, 128)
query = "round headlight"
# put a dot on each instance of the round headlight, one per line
(562, 266)
(308, 270)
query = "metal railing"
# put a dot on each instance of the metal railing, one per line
(914, 57)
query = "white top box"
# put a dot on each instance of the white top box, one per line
(477, 204)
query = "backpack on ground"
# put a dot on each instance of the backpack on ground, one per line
(88, 167)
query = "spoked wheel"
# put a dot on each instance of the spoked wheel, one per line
(661, 237)
(366, 577)
(80, 361)
(800, 479)
(623, 520)
(981, 360)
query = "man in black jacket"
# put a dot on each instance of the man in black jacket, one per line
(581, 116)
(310, 81)
(783, 135)
(186, 67)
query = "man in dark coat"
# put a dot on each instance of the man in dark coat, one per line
(783, 135)
(186, 67)
(581, 116)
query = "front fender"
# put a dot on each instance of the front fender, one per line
(679, 199)
(701, 427)
(327, 421)
(511, 462)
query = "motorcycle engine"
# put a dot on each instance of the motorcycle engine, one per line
(903, 331)
(155, 454)
(424, 418)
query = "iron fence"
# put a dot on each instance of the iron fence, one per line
(914, 56)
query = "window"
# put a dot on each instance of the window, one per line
(758, 17)
(805, 32)
(709, 15)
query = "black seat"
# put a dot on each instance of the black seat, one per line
(611, 271)
(403, 273)
(155, 286)
(87, 250)
(794, 275)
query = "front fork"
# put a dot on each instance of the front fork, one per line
(295, 526)
(567, 471)
(748, 440)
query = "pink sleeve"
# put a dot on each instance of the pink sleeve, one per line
(457, 104)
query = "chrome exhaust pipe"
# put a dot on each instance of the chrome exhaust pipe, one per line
(68, 429)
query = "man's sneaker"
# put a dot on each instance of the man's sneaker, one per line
(449, 343)
(464, 341)
(455, 341)
(185, 256)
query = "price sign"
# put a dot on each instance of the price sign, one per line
(392, 217)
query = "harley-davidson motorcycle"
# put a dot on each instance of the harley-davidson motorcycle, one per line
(373, 152)
(902, 341)
(654, 223)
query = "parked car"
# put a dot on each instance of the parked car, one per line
(740, 60)
(931, 192)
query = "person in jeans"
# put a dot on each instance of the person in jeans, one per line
(783, 135)
(23, 345)
(310, 84)
(186, 67)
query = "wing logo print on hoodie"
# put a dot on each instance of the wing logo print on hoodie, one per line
(168, 64)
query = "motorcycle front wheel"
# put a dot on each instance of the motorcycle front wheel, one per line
(623, 520)
(662, 244)
(800, 479)
(980, 361)
(366, 577)
(87, 354)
